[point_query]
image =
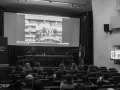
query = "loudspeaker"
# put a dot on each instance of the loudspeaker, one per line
(106, 27)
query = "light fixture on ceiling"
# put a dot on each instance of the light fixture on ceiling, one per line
(26, 1)
(71, 5)
(11, 1)
(78, 6)
(84, 7)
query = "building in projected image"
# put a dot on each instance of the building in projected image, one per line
(45, 29)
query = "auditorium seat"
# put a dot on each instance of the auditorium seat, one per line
(118, 86)
(108, 86)
(111, 69)
(93, 79)
(51, 88)
(92, 87)
(92, 74)
(80, 75)
(116, 79)
(45, 82)
(114, 74)
(57, 83)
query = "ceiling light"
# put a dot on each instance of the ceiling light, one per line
(71, 5)
(11, 1)
(78, 6)
(84, 7)
(26, 1)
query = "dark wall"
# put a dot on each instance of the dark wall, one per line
(1, 21)
(86, 37)
(13, 51)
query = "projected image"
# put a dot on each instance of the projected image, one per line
(115, 54)
(44, 29)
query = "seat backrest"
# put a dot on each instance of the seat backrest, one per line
(92, 87)
(108, 86)
(45, 82)
(51, 88)
(111, 69)
(93, 74)
(116, 79)
(114, 74)
(80, 75)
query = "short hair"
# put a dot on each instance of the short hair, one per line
(23, 75)
(20, 68)
(74, 65)
(50, 72)
(27, 64)
(69, 78)
(62, 66)
(29, 78)
(85, 67)
(79, 86)
(37, 64)
(37, 85)
(105, 76)
(59, 75)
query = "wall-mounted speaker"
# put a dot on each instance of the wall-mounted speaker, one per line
(106, 28)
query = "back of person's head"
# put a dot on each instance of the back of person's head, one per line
(62, 66)
(27, 65)
(38, 64)
(85, 80)
(75, 77)
(20, 68)
(99, 74)
(85, 67)
(69, 78)
(37, 85)
(105, 76)
(79, 86)
(91, 67)
(74, 65)
(59, 75)
(23, 75)
(17, 68)
(29, 78)
(40, 72)
(50, 72)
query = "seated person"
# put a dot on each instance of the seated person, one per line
(38, 67)
(27, 67)
(86, 81)
(104, 80)
(99, 76)
(78, 86)
(50, 75)
(61, 67)
(16, 70)
(85, 69)
(40, 74)
(21, 81)
(28, 82)
(58, 77)
(91, 69)
(68, 84)
(74, 67)
(37, 85)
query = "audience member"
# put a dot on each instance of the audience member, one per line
(37, 85)
(16, 70)
(68, 84)
(78, 86)
(74, 67)
(40, 74)
(86, 81)
(21, 81)
(28, 82)
(58, 77)
(99, 76)
(91, 69)
(104, 80)
(62, 67)
(27, 67)
(38, 67)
